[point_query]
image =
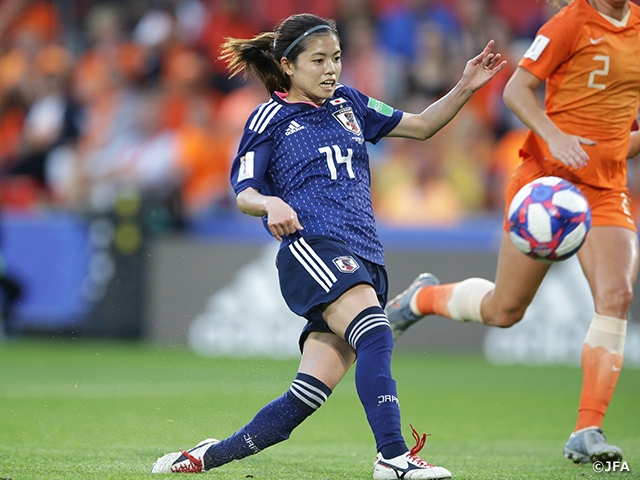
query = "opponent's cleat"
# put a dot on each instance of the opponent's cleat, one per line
(399, 311)
(189, 461)
(408, 465)
(590, 445)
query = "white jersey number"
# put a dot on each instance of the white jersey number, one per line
(337, 158)
(601, 71)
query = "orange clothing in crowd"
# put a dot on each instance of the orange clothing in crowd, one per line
(98, 73)
(219, 25)
(11, 123)
(40, 17)
(184, 81)
(593, 88)
(203, 156)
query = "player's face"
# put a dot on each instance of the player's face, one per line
(315, 73)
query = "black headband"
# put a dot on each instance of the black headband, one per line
(297, 40)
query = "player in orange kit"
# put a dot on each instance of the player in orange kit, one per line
(588, 55)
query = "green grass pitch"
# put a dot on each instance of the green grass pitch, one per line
(95, 410)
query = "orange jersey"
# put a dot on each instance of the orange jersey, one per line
(592, 72)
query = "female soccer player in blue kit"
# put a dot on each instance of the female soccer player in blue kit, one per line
(303, 166)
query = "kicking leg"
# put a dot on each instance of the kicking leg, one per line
(326, 358)
(501, 304)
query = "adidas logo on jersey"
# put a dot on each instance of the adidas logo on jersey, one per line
(293, 128)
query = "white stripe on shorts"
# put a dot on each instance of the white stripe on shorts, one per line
(313, 264)
(304, 243)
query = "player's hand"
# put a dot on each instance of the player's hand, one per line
(482, 68)
(568, 149)
(281, 218)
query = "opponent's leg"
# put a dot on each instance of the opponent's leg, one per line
(609, 259)
(602, 356)
(501, 304)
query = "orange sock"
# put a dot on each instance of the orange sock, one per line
(460, 301)
(601, 369)
(432, 300)
(602, 356)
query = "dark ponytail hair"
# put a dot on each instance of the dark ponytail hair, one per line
(260, 56)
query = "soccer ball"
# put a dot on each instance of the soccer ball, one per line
(549, 219)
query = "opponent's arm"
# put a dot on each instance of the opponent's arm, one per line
(519, 95)
(281, 218)
(478, 71)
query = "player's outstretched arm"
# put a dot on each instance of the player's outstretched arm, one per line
(281, 218)
(477, 72)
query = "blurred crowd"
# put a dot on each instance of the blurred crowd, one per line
(97, 97)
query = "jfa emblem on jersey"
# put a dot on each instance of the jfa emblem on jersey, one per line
(348, 120)
(346, 264)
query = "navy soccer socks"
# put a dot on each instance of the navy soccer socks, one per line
(370, 335)
(273, 423)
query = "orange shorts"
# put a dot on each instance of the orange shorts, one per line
(610, 207)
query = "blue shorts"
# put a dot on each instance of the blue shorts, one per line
(316, 270)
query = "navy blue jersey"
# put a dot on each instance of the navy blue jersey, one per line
(315, 159)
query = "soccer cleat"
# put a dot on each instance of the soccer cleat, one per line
(399, 311)
(590, 445)
(409, 465)
(189, 461)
